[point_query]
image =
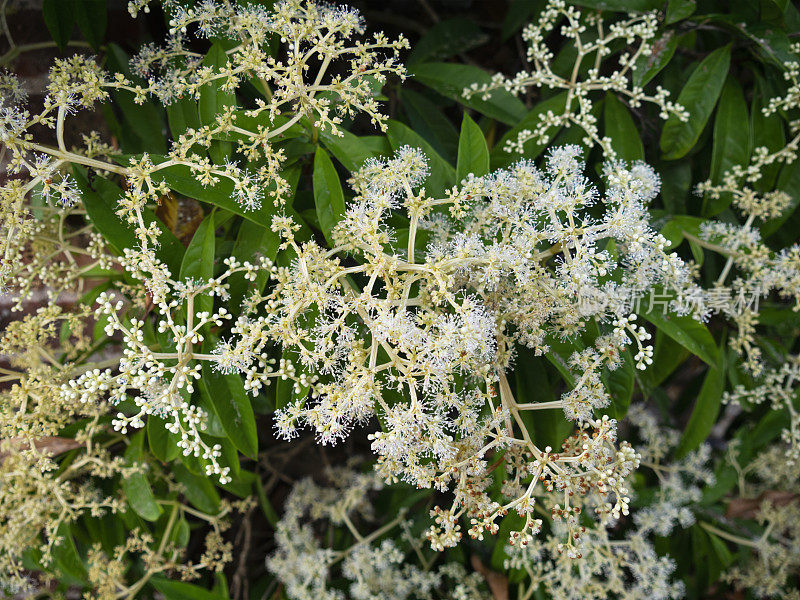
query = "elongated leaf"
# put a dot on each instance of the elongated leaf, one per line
(767, 131)
(518, 14)
(180, 590)
(92, 20)
(731, 140)
(328, 195)
(59, 17)
(198, 262)
(182, 115)
(650, 64)
(214, 97)
(442, 174)
(227, 396)
(349, 149)
(698, 96)
(197, 489)
(473, 154)
(667, 355)
(621, 5)
(136, 488)
(690, 334)
(619, 126)
(427, 119)
(266, 506)
(446, 38)
(450, 80)
(789, 182)
(678, 10)
(181, 179)
(620, 384)
(66, 559)
(143, 122)
(550, 426)
(251, 242)
(676, 227)
(706, 409)
(163, 443)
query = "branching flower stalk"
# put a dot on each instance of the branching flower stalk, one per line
(421, 336)
(594, 41)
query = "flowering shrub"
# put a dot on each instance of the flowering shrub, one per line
(279, 330)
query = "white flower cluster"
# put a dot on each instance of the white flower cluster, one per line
(594, 41)
(778, 387)
(420, 335)
(305, 563)
(163, 381)
(625, 566)
(342, 86)
(761, 271)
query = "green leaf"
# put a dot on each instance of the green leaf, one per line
(676, 227)
(518, 14)
(532, 148)
(66, 559)
(197, 489)
(163, 443)
(688, 332)
(135, 486)
(182, 115)
(266, 506)
(101, 206)
(349, 149)
(650, 64)
(676, 183)
(180, 590)
(789, 182)
(620, 383)
(621, 5)
(667, 355)
(198, 261)
(706, 409)
(227, 396)
(767, 131)
(214, 98)
(698, 96)
(252, 241)
(450, 80)
(92, 19)
(328, 195)
(446, 38)
(549, 427)
(428, 119)
(724, 554)
(677, 10)
(442, 174)
(619, 126)
(181, 179)
(473, 154)
(731, 140)
(511, 522)
(144, 122)
(59, 18)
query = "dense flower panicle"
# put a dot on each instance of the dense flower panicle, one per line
(594, 40)
(421, 335)
(308, 33)
(52, 251)
(409, 321)
(305, 564)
